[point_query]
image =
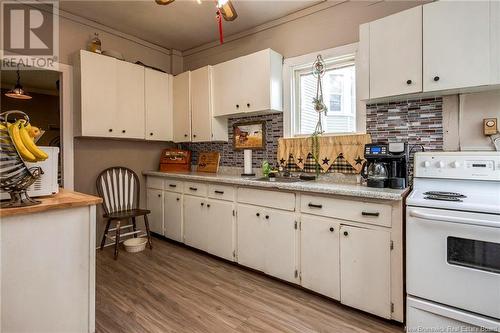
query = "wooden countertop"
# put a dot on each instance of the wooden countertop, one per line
(63, 199)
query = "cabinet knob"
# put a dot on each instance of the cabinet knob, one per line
(202, 204)
(258, 214)
(237, 106)
(178, 199)
(409, 81)
(267, 217)
(194, 135)
(248, 105)
(185, 135)
(331, 229)
(111, 130)
(123, 131)
(151, 133)
(159, 195)
(436, 78)
(208, 205)
(346, 233)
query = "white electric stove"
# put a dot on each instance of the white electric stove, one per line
(453, 243)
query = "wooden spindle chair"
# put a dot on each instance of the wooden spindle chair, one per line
(119, 189)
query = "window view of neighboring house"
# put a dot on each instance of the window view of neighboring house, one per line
(338, 95)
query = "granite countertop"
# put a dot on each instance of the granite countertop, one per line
(61, 200)
(320, 187)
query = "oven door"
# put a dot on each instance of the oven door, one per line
(453, 258)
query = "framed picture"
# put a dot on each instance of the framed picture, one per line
(249, 135)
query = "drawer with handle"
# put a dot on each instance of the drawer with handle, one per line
(265, 198)
(173, 185)
(222, 192)
(198, 189)
(351, 210)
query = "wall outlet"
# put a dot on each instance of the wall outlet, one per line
(490, 126)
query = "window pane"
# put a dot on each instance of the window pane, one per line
(339, 97)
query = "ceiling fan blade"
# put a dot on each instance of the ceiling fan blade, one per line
(227, 10)
(164, 2)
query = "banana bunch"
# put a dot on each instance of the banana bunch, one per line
(22, 135)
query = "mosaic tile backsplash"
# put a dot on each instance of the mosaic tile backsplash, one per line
(234, 158)
(416, 121)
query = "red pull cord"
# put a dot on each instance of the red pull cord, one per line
(219, 20)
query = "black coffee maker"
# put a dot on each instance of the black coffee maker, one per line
(386, 165)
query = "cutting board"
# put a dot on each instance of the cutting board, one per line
(208, 162)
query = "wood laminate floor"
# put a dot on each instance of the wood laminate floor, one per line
(176, 289)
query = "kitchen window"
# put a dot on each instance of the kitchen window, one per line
(339, 95)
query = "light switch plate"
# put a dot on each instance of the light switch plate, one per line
(490, 126)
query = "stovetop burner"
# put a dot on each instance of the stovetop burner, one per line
(445, 194)
(443, 198)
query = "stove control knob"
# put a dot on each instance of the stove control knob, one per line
(426, 164)
(455, 164)
(440, 164)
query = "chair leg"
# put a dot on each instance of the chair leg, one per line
(148, 232)
(117, 238)
(134, 226)
(105, 235)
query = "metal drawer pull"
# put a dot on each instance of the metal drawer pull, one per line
(193, 189)
(172, 185)
(370, 214)
(315, 206)
(219, 192)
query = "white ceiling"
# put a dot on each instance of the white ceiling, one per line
(183, 24)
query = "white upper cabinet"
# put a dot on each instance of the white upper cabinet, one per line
(396, 54)
(119, 99)
(158, 105)
(98, 88)
(456, 37)
(249, 84)
(204, 126)
(182, 107)
(130, 100)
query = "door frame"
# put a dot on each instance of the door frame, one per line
(66, 112)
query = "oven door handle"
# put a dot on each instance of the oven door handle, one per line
(443, 218)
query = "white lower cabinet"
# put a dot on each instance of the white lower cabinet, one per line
(319, 255)
(196, 226)
(172, 215)
(154, 199)
(365, 269)
(220, 232)
(266, 241)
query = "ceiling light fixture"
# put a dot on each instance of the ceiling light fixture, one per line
(164, 2)
(227, 10)
(18, 91)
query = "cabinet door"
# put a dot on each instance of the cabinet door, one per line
(182, 107)
(98, 91)
(280, 244)
(130, 100)
(201, 104)
(319, 255)
(251, 235)
(220, 231)
(196, 226)
(396, 54)
(365, 278)
(456, 44)
(173, 215)
(154, 200)
(227, 88)
(158, 104)
(255, 85)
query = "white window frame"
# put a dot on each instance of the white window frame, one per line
(341, 55)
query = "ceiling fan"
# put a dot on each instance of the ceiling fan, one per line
(225, 9)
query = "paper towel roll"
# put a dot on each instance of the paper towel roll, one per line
(247, 161)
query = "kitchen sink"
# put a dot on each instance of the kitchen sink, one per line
(280, 179)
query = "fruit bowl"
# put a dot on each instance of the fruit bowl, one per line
(16, 148)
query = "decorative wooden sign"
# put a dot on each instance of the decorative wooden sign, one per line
(208, 162)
